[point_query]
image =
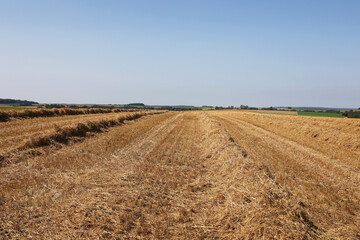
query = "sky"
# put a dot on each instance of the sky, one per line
(185, 52)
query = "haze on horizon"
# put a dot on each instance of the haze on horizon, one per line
(258, 53)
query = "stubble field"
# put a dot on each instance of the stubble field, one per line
(180, 175)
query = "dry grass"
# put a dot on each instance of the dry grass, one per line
(193, 175)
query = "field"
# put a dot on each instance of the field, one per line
(320, 114)
(11, 108)
(180, 175)
(284, 112)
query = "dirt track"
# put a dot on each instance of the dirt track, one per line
(191, 175)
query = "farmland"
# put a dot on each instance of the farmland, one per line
(11, 108)
(320, 114)
(180, 175)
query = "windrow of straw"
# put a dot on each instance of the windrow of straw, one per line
(64, 135)
(248, 202)
(9, 115)
(76, 132)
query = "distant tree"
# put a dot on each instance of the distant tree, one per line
(269, 108)
(289, 107)
(54, 106)
(73, 106)
(244, 106)
(351, 114)
(136, 104)
(17, 102)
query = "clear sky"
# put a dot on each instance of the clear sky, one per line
(185, 52)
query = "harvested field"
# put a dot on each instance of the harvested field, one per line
(285, 112)
(187, 175)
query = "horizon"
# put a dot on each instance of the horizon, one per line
(228, 53)
(184, 105)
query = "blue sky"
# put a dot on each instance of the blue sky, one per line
(259, 53)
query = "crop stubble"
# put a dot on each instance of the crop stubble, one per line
(192, 175)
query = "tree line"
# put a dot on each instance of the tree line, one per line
(17, 102)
